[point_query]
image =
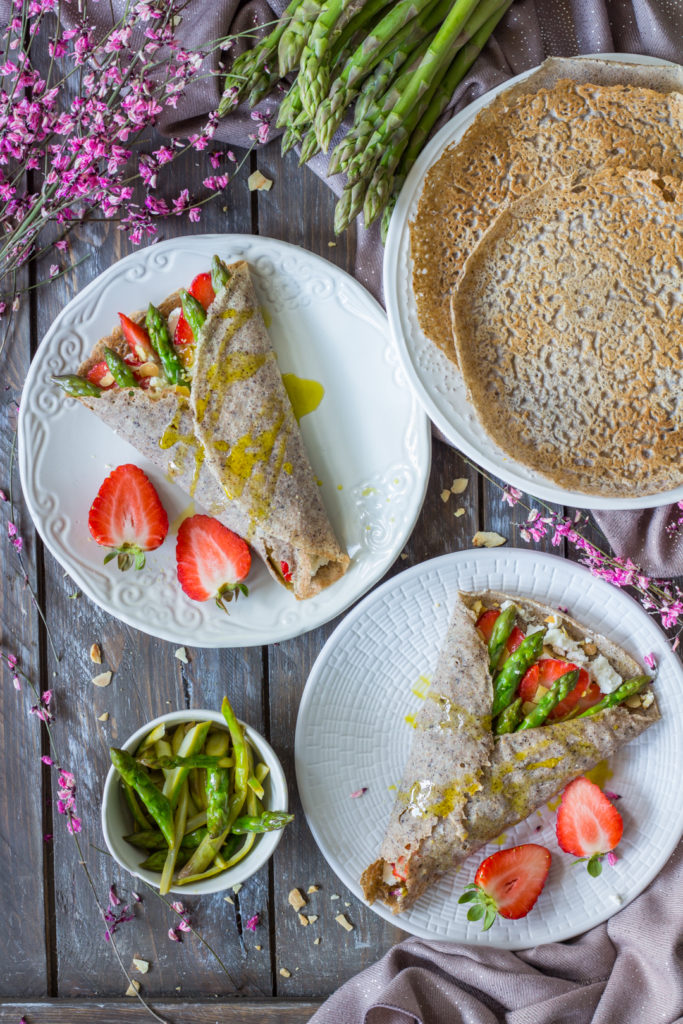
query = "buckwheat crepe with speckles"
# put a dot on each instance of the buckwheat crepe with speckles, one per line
(238, 412)
(568, 325)
(456, 795)
(571, 117)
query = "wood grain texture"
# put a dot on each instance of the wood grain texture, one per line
(129, 1011)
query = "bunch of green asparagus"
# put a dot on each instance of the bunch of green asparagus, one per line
(188, 792)
(399, 62)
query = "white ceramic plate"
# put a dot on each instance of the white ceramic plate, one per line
(435, 379)
(351, 732)
(368, 440)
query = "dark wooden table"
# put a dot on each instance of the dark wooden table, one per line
(54, 962)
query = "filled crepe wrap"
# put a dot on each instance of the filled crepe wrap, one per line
(231, 440)
(456, 795)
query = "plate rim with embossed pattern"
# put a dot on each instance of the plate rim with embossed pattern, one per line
(359, 739)
(304, 288)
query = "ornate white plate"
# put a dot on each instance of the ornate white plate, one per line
(434, 378)
(352, 732)
(368, 440)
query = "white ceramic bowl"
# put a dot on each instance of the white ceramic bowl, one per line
(117, 821)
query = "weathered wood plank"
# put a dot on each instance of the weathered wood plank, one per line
(148, 680)
(23, 817)
(129, 1011)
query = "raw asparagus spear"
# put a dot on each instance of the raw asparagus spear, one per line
(610, 700)
(77, 387)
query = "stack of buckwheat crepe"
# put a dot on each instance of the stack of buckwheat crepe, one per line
(547, 253)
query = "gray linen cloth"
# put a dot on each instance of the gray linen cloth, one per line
(530, 31)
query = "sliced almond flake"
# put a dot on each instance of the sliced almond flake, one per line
(229, 900)
(648, 699)
(302, 919)
(140, 965)
(313, 888)
(488, 539)
(296, 900)
(285, 973)
(181, 655)
(103, 679)
(133, 988)
(346, 925)
(459, 512)
(236, 888)
(104, 717)
(335, 897)
(259, 948)
(258, 182)
(445, 495)
(96, 654)
(316, 942)
(459, 485)
(403, 556)
(312, 918)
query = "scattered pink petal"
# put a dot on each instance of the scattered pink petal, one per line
(48, 837)
(47, 760)
(359, 792)
(610, 795)
(114, 900)
(612, 858)
(174, 935)
(54, 270)
(650, 661)
(253, 923)
(136, 897)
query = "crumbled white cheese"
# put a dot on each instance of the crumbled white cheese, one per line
(648, 699)
(507, 604)
(559, 640)
(604, 675)
(388, 876)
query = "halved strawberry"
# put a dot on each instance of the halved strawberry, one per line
(128, 516)
(183, 332)
(202, 290)
(286, 572)
(137, 338)
(101, 375)
(211, 560)
(545, 672)
(588, 825)
(485, 624)
(507, 883)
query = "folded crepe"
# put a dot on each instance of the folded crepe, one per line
(232, 441)
(463, 786)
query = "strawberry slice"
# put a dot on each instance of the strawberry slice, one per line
(137, 338)
(211, 560)
(183, 332)
(128, 516)
(588, 825)
(101, 375)
(202, 290)
(545, 672)
(485, 624)
(507, 883)
(286, 572)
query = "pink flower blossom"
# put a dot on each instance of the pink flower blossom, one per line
(511, 495)
(612, 858)
(54, 270)
(650, 661)
(174, 935)
(47, 760)
(194, 214)
(113, 919)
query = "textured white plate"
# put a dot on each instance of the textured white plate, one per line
(368, 441)
(351, 732)
(434, 377)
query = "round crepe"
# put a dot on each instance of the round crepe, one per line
(536, 131)
(568, 324)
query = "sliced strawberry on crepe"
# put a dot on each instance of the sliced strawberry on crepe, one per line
(588, 824)
(507, 883)
(183, 332)
(485, 624)
(212, 561)
(101, 375)
(138, 339)
(202, 290)
(128, 517)
(547, 671)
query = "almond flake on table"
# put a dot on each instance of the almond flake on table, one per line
(316, 942)
(228, 900)
(96, 654)
(133, 988)
(346, 925)
(302, 919)
(181, 655)
(445, 495)
(259, 948)
(488, 539)
(312, 918)
(312, 888)
(459, 512)
(236, 888)
(296, 900)
(459, 485)
(140, 965)
(104, 717)
(335, 896)
(285, 973)
(258, 182)
(103, 679)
